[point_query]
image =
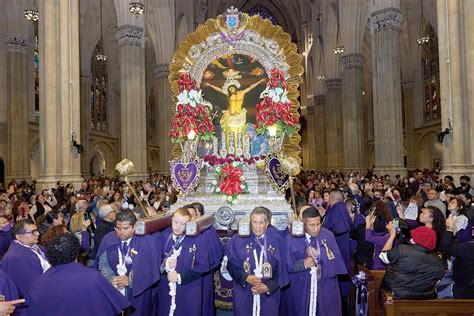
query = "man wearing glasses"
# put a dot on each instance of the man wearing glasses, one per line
(25, 260)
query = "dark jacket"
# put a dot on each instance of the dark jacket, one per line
(103, 228)
(413, 272)
(463, 265)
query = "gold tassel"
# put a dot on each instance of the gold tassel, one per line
(329, 252)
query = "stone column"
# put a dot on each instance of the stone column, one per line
(18, 166)
(319, 132)
(86, 81)
(388, 132)
(309, 152)
(456, 69)
(59, 92)
(164, 111)
(408, 99)
(132, 98)
(333, 115)
(352, 113)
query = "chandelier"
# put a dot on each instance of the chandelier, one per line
(422, 39)
(136, 7)
(100, 51)
(31, 11)
(339, 49)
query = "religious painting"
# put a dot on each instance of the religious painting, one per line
(233, 84)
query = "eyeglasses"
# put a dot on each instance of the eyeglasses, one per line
(33, 232)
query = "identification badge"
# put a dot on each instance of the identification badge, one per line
(247, 266)
(267, 270)
(318, 271)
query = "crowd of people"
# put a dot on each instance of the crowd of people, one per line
(63, 245)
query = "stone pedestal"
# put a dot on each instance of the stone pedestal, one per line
(456, 69)
(333, 115)
(388, 132)
(352, 113)
(59, 92)
(165, 114)
(132, 98)
(18, 163)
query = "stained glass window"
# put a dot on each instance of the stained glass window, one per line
(98, 100)
(263, 12)
(430, 63)
(36, 60)
(150, 117)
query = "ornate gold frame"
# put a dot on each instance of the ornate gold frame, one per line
(270, 40)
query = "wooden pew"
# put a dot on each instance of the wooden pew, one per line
(374, 282)
(382, 302)
(444, 307)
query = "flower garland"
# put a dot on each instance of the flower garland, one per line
(275, 107)
(230, 180)
(191, 112)
(212, 161)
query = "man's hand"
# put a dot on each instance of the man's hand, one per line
(321, 210)
(120, 282)
(7, 308)
(173, 276)
(172, 263)
(260, 289)
(309, 262)
(254, 280)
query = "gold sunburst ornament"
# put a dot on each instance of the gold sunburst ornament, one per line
(238, 33)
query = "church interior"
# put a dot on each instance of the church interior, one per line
(391, 99)
(329, 138)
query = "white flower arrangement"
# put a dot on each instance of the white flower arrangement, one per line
(191, 98)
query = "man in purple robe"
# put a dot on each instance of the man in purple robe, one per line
(131, 263)
(215, 256)
(314, 262)
(25, 260)
(256, 263)
(339, 222)
(186, 260)
(70, 288)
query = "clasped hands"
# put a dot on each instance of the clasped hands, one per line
(309, 261)
(257, 286)
(120, 282)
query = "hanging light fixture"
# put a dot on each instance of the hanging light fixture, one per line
(320, 76)
(31, 11)
(100, 51)
(422, 39)
(339, 49)
(136, 7)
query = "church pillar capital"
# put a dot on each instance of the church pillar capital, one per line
(18, 44)
(352, 61)
(387, 19)
(130, 35)
(162, 71)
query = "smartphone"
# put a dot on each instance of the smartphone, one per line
(396, 224)
(86, 216)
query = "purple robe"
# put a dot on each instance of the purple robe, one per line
(73, 289)
(5, 240)
(193, 260)
(339, 222)
(298, 293)
(378, 240)
(24, 267)
(7, 287)
(146, 257)
(464, 235)
(215, 257)
(240, 250)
